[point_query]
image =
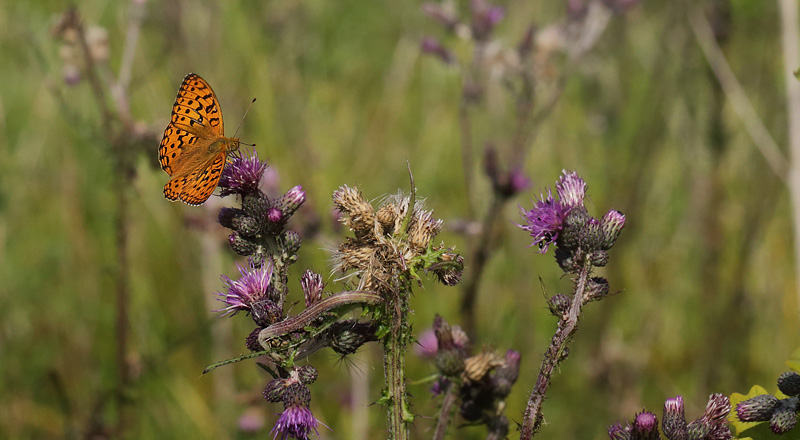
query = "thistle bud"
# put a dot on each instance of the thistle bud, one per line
(574, 223)
(506, 374)
(674, 423)
(255, 205)
(611, 226)
(567, 261)
(292, 200)
(645, 426)
(248, 227)
(296, 394)
(266, 312)
(346, 339)
(698, 429)
(757, 409)
(789, 383)
(274, 215)
(291, 242)
(312, 285)
(599, 258)
(241, 245)
(591, 235)
(450, 356)
(251, 342)
(275, 390)
(620, 431)
(783, 420)
(571, 189)
(596, 289)
(559, 304)
(448, 274)
(307, 374)
(229, 217)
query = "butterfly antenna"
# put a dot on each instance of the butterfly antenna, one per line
(242, 120)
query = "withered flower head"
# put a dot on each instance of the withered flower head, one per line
(388, 245)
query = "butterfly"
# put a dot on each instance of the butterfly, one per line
(194, 149)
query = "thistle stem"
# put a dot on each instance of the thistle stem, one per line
(444, 414)
(566, 328)
(394, 359)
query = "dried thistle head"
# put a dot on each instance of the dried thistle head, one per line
(476, 367)
(356, 213)
(389, 247)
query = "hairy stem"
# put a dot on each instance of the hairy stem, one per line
(554, 354)
(445, 413)
(394, 359)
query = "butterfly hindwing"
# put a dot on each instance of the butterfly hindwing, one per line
(199, 185)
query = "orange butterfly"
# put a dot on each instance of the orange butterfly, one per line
(194, 149)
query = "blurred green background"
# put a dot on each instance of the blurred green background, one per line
(706, 299)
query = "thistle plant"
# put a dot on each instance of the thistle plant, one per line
(581, 244)
(391, 248)
(529, 75)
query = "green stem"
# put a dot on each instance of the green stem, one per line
(394, 359)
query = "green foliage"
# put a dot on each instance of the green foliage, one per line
(794, 360)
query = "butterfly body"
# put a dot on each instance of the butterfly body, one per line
(194, 149)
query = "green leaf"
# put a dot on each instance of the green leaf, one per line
(794, 360)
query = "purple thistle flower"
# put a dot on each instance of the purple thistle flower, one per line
(242, 175)
(251, 293)
(645, 426)
(545, 221)
(571, 189)
(296, 421)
